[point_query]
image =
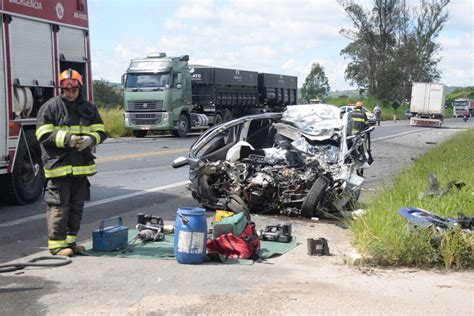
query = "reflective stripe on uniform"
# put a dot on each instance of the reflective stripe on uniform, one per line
(54, 244)
(58, 172)
(357, 119)
(84, 170)
(70, 239)
(75, 171)
(73, 129)
(60, 137)
(97, 137)
(44, 129)
(97, 128)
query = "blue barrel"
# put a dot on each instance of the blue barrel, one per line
(190, 235)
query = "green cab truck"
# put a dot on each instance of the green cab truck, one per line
(164, 93)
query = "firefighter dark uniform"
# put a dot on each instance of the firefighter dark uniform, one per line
(62, 126)
(359, 120)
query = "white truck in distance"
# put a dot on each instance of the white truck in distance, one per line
(427, 104)
(460, 104)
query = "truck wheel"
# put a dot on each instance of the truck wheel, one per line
(218, 119)
(23, 186)
(139, 133)
(228, 116)
(183, 126)
(315, 194)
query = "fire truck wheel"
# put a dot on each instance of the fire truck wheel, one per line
(315, 194)
(183, 126)
(25, 184)
(139, 133)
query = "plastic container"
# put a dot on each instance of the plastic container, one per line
(190, 235)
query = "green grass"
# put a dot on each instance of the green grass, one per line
(383, 237)
(113, 121)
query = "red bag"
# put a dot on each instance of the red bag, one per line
(244, 246)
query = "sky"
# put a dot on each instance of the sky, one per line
(274, 36)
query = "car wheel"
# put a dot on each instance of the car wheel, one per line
(204, 191)
(315, 194)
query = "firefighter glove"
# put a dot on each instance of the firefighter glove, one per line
(73, 140)
(84, 142)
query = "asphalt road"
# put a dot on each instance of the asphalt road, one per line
(135, 175)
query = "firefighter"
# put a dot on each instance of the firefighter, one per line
(68, 129)
(359, 119)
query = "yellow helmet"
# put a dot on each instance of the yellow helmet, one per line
(359, 104)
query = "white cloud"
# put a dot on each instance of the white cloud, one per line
(461, 15)
(457, 64)
(174, 25)
(201, 10)
(289, 64)
(257, 35)
(276, 36)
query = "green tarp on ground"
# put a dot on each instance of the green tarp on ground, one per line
(164, 249)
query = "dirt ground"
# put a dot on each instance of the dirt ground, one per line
(294, 283)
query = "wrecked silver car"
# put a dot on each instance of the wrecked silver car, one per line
(302, 162)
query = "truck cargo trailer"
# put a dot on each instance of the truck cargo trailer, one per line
(427, 104)
(223, 94)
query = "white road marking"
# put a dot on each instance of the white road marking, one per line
(398, 135)
(99, 202)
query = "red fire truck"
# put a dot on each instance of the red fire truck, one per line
(38, 39)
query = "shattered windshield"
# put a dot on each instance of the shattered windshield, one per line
(148, 80)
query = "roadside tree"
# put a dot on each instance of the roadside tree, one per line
(316, 84)
(106, 95)
(392, 45)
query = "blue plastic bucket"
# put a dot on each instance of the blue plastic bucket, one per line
(190, 235)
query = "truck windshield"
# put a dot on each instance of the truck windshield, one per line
(460, 103)
(148, 80)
